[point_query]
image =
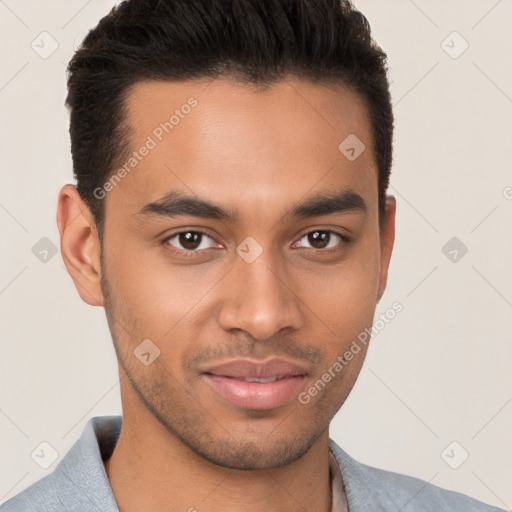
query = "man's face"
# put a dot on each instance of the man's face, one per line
(283, 289)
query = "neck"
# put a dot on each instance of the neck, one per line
(150, 469)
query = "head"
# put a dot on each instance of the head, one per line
(232, 161)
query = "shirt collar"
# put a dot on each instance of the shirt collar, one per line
(339, 496)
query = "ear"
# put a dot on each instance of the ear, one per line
(387, 240)
(79, 245)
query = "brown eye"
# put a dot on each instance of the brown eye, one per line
(188, 240)
(321, 239)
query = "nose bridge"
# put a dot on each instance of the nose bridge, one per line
(258, 298)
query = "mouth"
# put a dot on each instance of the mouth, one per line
(255, 385)
(260, 380)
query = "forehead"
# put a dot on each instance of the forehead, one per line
(244, 146)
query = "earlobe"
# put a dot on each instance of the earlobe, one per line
(387, 240)
(79, 244)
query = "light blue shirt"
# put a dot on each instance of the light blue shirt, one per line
(79, 483)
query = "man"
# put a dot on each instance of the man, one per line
(230, 215)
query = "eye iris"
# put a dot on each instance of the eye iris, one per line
(319, 239)
(190, 240)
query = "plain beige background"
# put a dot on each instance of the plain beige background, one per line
(439, 373)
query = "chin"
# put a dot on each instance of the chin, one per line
(264, 453)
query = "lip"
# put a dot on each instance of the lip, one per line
(227, 380)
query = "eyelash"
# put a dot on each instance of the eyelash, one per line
(196, 252)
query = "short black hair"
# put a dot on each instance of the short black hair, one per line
(252, 41)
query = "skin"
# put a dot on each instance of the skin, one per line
(257, 153)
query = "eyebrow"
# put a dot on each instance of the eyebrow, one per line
(177, 203)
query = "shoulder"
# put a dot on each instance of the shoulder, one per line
(79, 482)
(45, 494)
(369, 487)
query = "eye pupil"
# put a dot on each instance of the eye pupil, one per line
(190, 240)
(319, 239)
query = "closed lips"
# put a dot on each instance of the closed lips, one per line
(254, 384)
(253, 371)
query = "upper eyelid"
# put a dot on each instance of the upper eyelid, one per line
(344, 238)
(168, 237)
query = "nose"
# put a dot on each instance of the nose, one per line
(260, 299)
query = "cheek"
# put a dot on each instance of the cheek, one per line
(346, 292)
(343, 302)
(152, 291)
